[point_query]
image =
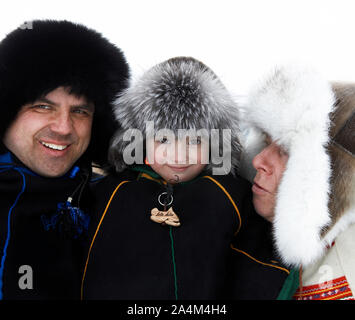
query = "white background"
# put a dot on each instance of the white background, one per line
(238, 39)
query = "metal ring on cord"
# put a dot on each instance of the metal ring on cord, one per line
(167, 204)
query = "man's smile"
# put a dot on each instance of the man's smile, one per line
(54, 146)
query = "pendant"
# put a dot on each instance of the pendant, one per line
(165, 217)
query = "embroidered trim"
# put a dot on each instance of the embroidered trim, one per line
(337, 289)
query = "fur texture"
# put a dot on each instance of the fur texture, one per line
(50, 54)
(341, 149)
(180, 93)
(292, 105)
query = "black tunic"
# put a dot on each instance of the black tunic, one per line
(132, 257)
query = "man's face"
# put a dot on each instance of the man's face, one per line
(52, 133)
(270, 165)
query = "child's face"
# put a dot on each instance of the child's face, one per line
(178, 161)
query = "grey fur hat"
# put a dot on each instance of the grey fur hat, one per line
(180, 93)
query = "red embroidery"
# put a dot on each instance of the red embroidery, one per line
(337, 289)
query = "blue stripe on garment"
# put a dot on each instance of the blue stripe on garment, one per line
(5, 158)
(8, 230)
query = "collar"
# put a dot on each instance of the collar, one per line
(147, 170)
(8, 160)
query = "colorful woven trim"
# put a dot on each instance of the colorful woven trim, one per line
(337, 289)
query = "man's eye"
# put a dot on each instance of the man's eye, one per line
(42, 107)
(80, 111)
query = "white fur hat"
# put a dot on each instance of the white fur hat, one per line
(292, 105)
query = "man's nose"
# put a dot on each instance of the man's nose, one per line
(62, 123)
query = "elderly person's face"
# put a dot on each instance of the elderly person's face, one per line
(270, 164)
(52, 133)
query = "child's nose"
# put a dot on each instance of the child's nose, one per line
(181, 153)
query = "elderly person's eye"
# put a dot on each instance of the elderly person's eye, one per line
(283, 152)
(267, 139)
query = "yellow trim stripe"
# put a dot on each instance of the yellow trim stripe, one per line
(93, 239)
(240, 224)
(263, 263)
(230, 199)
(147, 176)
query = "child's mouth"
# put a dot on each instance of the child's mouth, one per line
(178, 168)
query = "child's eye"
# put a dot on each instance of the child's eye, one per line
(164, 140)
(194, 141)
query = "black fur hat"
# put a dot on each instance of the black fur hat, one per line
(49, 54)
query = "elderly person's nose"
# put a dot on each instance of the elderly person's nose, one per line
(260, 161)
